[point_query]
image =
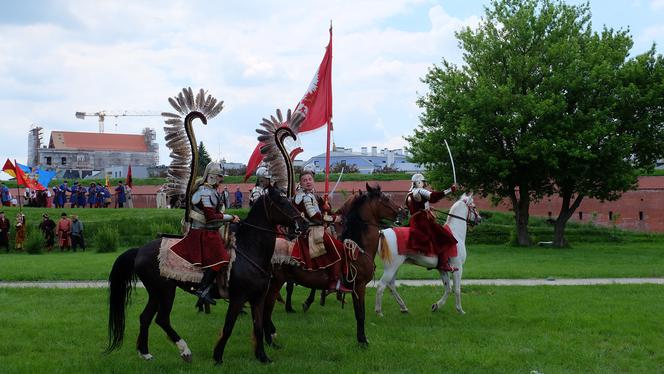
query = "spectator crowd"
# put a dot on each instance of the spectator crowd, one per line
(68, 232)
(75, 196)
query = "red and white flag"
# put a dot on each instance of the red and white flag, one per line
(316, 105)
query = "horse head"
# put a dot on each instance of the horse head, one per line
(279, 210)
(382, 205)
(467, 203)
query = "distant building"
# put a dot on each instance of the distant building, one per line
(366, 161)
(80, 154)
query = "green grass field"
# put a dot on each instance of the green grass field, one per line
(589, 260)
(597, 329)
(595, 252)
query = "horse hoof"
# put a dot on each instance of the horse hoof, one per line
(218, 362)
(405, 311)
(364, 344)
(264, 359)
(434, 307)
(186, 358)
(461, 311)
(379, 314)
(290, 310)
(146, 356)
(305, 307)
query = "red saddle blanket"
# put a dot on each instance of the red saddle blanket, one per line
(403, 233)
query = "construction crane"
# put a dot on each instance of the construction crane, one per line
(103, 114)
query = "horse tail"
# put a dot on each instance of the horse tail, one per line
(120, 284)
(385, 253)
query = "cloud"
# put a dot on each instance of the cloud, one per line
(130, 56)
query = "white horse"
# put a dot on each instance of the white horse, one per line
(461, 213)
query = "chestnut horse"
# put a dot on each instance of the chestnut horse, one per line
(249, 279)
(361, 225)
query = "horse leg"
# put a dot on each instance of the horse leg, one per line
(380, 289)
(289, 297)
(269, 329)
(234, 309)
(323, 295)
(310, 299)
(257, 305)
(164, 321)
(393, 289)
(445, 276)
(358, 305)
(457, 289)
(145, 319)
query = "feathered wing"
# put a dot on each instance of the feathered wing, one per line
(273, 148)
(179, 141)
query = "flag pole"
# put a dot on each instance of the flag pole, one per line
(329, 133)
(327, 158)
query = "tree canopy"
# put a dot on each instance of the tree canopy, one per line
(203, 158)
(542, 105)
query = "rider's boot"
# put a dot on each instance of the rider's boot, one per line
(204, 291)
(335, 281)
(444, 264)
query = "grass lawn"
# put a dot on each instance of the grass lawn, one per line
(598, 329)
(587, 260)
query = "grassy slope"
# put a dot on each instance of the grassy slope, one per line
(596, 252)
(233, 179)
(595, 329)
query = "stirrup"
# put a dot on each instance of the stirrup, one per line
(204, 295)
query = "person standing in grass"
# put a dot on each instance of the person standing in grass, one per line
(4, 231)
(77, 233)
(81, 196)
(47, 227)
(20, 231)
(73, 197)
(5, 196)
(64, 232)
(120, 195)
(92, 195)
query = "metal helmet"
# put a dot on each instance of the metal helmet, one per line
(418, 180)
(213, 169)
(263, 172)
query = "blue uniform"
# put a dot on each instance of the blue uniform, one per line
(4, 196)
(120, 192)
(81, 196)
(92, 196)
(62, 195)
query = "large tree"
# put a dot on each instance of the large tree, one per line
(203, 159)
(538, 108)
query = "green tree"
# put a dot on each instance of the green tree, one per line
(203, 159)
(543, 105)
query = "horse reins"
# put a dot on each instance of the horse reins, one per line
(267, 212)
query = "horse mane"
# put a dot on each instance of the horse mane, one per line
(354, 225)
(454, 206)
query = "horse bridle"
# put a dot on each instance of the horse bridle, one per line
(267, 212)
(471, 209)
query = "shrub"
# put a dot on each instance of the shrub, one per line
(107, 239)
(33, 242)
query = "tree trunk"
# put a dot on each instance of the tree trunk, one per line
(565, 214)
(521, 207)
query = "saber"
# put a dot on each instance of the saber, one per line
(451, 160)
(338, 180)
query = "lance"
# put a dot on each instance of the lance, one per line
(338, 180)
(451, 160)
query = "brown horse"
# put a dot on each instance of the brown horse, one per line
(362, 223)
(249, 280)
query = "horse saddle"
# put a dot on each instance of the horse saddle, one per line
(316, 241)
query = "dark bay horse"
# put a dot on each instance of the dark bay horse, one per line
(249, 279)
(362, 222)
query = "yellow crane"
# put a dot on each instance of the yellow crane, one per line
(103, 114)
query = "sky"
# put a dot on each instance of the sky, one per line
(63, 56)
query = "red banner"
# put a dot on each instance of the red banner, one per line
(316, 105)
